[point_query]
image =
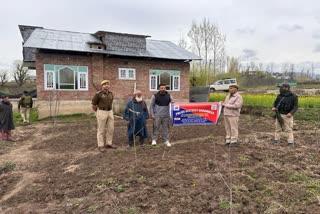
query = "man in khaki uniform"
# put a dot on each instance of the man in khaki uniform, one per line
(232, 107)
(102, 105)
(24, 105)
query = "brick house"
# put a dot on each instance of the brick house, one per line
(70, 66)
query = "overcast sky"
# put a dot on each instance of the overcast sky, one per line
(278, 31)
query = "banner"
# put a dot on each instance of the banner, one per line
(195, 113)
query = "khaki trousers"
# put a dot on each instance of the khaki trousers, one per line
(287, 128)
(25, 114)
(105, 120)
(231, 127)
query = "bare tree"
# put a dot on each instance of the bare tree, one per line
(195, 36)
(20, 73)
(3, 77)
(218, 46)
(209, 43)
(234, 65)
(183, 43)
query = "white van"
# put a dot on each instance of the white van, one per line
(222, 85)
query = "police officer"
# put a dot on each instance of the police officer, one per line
(286, 104)
(24, 105)
(102, 105)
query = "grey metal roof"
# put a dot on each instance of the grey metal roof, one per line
(75, 41)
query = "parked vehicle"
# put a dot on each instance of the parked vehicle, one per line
(278, 84)
(222, 85)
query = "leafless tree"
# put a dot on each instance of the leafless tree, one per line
(234, 65)
(195, 36)
(3, 77)
(183, 43)
(20, 73)
(208, 42)
(218, 46)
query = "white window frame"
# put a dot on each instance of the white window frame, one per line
(157, 81)
(56, 75)
(126, 70)
(155, 78)
(176, 88)
(79, 81)
(46, 80)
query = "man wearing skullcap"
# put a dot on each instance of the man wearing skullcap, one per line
(136, 113)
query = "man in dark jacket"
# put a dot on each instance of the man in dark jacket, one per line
(6, 119)
(160, 113)
(285, 105)
(24, 106)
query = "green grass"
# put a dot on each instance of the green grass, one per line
(308, 106)
(267, 100)
(18, 119)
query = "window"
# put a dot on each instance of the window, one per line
(127, 73)
(65, 77)
(170, 78)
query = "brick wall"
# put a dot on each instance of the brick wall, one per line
(106, 67)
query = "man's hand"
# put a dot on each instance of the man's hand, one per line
(273, 109)
(152, 117)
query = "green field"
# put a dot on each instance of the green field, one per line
(308, 105)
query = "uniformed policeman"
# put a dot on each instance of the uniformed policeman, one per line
(102, 105)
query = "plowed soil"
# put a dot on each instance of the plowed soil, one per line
(58, 169)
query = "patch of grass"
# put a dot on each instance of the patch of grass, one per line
(34, 115)
(297, 177)
(311, 186)
(104, 183)
(7, 166)
(119, 188)
(70, 117)
(132, 210)
(141, 179)
(92, 209)
(228, 205)
(244, 158)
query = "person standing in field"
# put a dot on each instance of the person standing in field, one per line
(24, 106)
(6, 119)
(232, 107)
(102, 105)
(160, 113)
(136, 113)
(286, 105)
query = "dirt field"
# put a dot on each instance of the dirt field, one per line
(58, 169)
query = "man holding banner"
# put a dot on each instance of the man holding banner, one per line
(232, 107)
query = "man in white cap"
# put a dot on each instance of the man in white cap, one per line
(102, 105)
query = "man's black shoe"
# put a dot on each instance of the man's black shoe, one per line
(275, 141)
(234, 144)
(111, 147)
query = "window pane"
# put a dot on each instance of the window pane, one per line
(83, 81)
(131, 74)
(66, 76)
(50, 80)
(122, 73)
(176, 83)
(165, 79)
(153, 82)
